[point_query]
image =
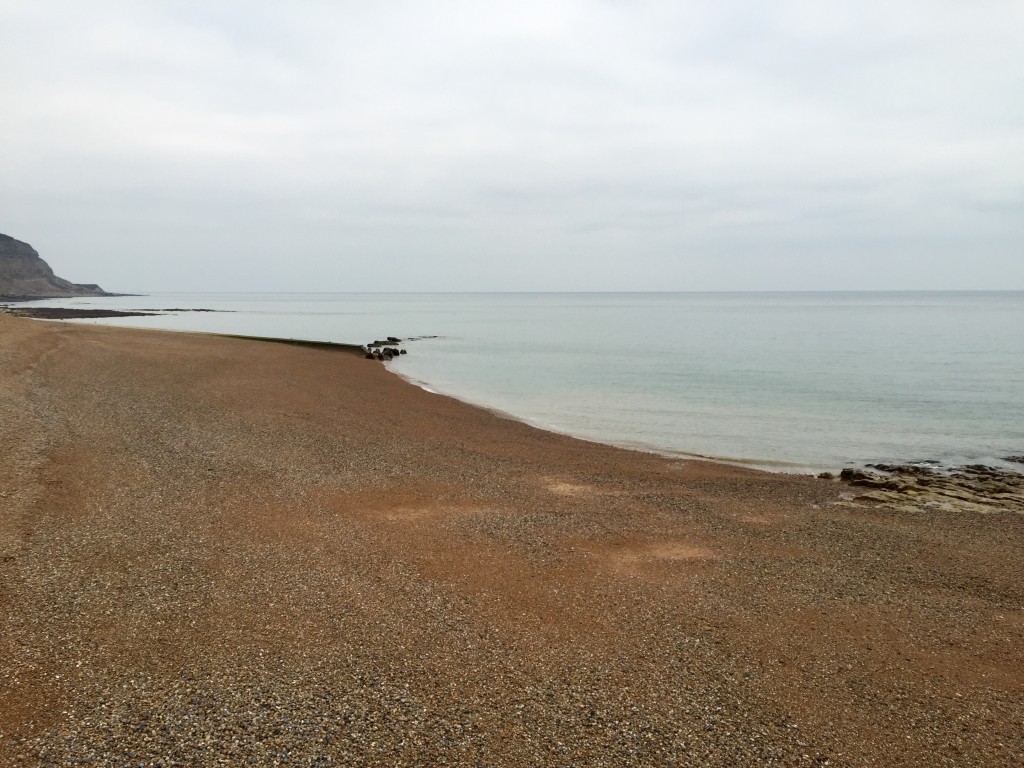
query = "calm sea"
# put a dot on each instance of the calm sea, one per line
(794, 381)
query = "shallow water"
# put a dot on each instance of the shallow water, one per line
(800, 381)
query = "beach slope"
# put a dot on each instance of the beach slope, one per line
(224, 551)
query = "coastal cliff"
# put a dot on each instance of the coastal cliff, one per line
(25, 275)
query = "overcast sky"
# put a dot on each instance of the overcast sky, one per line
(534, 145)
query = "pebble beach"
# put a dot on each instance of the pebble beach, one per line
(222, 551)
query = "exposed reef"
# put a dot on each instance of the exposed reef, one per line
(67, 313)
(928, 485)
(74, 313)
(387, 348)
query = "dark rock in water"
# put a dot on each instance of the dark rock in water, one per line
(886, 467)
(369, 356)
(24, 275)
(849, 475)
(826, 476)
(1015, 459)
(402, 352)
(383, 349)
(180, 309)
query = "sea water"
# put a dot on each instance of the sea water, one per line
(793, 381)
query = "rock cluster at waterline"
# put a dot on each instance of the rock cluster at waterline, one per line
(383, 350)
(388, 349)
(913, 487)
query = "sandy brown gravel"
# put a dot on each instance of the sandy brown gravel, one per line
(225, 552)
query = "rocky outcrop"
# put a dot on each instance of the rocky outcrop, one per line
(24, 275)
(927, 485)
(379, 350)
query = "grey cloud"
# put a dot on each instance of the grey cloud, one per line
(482, 146)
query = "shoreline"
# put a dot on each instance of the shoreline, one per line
(763, 435)
(755, 464)
(213, 550)
(931, 483)
(1006, 466)
(48, 313)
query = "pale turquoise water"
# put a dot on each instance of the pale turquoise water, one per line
(800, 381)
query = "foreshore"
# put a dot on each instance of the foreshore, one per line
(221, 551)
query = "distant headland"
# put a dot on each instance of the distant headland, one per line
(24, 276)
